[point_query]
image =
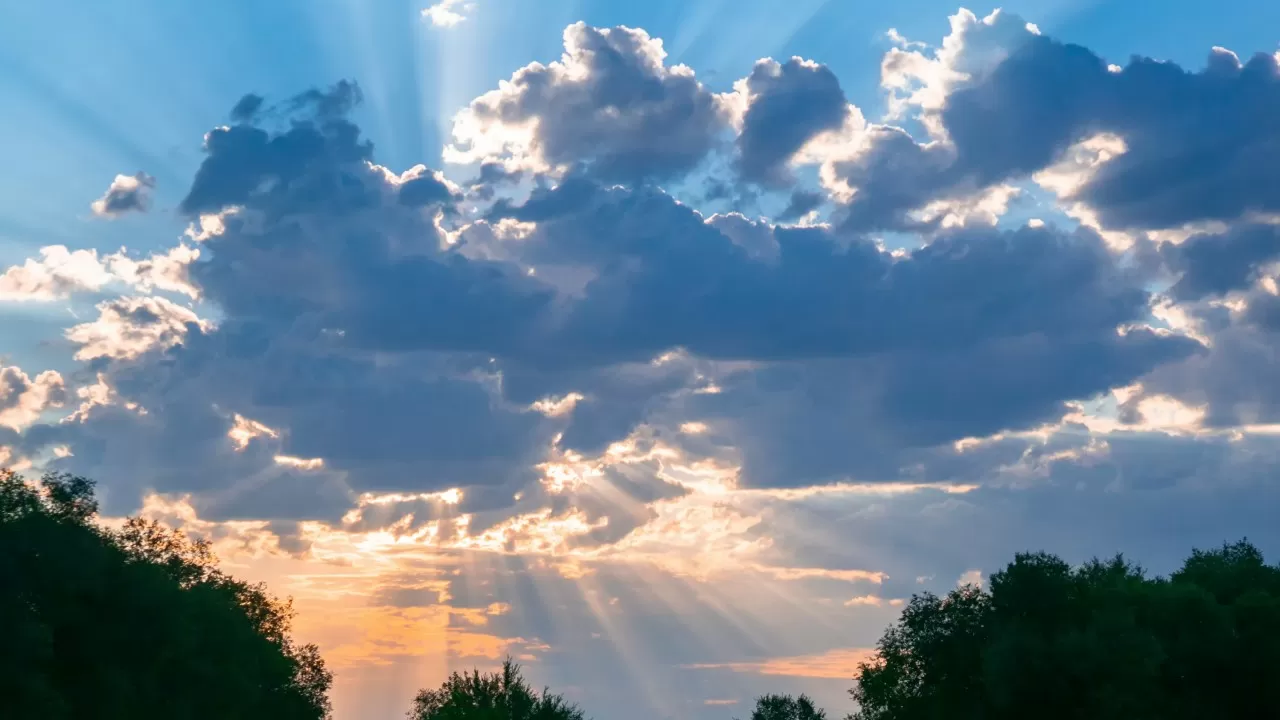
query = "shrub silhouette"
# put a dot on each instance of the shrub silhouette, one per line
(1100, 642)
(136, 622)
(501, 695)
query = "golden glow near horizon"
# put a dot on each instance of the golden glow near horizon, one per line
(377, 588)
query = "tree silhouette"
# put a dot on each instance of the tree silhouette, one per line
(1099, 642)
(786, 707)
(502, 695)
(136, 622)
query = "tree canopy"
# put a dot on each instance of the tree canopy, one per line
(1099, 642)
(501, 695)
(135, 622)
(787, 707)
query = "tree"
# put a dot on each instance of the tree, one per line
(502, 695)
(136, 622)
(1102, 641)
(786, 707)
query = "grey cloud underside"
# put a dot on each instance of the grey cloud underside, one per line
(1214, 265)
(1235, 381)
(351, 324)
(790, 104)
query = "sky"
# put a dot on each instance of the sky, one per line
(667, 347)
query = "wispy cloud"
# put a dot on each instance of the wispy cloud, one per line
(841, 664)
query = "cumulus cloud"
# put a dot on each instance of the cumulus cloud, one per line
(448, 13)
(786, 106)
(59, 273)
(398, 354)
(127, 193)
(131, 326)
(288, 296)
(1218, 264)
(985, 97)
(611, 103)
(23, 398)
(55, 275)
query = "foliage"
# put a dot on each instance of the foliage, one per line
(136, 622)
(1100, 642)
(786, 707)
(502, 695)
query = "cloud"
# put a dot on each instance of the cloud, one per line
(398, 350)
(787, 105)
(24, 399)
(985, 97)
(1218, 264)
(131, 326)
(836, 664)
(127, 193)
(58, 273)
(242, 158)
(286, 294)
(1232, 382)
(448, 13)
(610, 104)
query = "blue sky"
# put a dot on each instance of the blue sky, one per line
(672, 385)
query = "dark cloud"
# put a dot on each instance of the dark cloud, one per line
(675, 280)
(789, 104)
(243, 160)
(127, 193)
(1263, 312)
(1134, 491)
(1200, 145)
(247, 107)
(1218, 264)
(893, 176)
(1235, 380)
(426, 189)
(801, 203)
(320, 243)
(413, 354)
(879, 418)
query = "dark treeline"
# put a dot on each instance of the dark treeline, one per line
(138, 622)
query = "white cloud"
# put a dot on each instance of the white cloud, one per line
(55, 275)
(448, 13)
(130, 326)
(59, 273)
(918, 81)
(23, 398)
(610, 101)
